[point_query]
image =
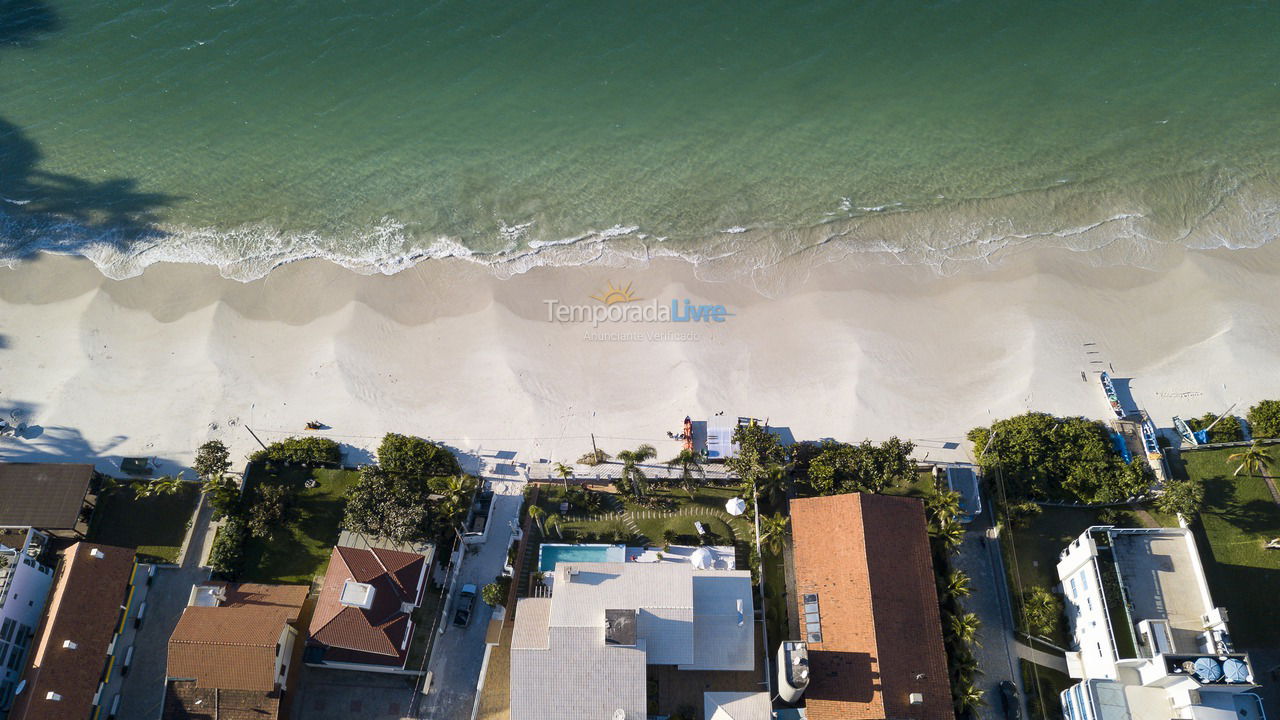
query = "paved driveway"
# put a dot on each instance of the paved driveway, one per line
(459, 653)
(142, 693)
(989, 600)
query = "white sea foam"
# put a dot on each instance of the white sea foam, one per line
(944, 238)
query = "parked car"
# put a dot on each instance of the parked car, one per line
(1009, 701)
(466, 603)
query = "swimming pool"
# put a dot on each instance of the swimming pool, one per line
(550, 554)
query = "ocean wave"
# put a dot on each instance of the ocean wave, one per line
(962, 234)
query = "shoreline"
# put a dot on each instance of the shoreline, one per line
(157, 364)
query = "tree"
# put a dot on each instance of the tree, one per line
(163, 485)
(1255, 460)
(964, 628)
(949, 533)
(773, 532)
(223, 495)
(412, 455)
(632, 477)
(757, 450)
(1225, 430)
(1042, 457)
(212, 458)
(226, 555)
(495, 593)
(564, 472)
(456, 492)
(968, 697)
(669, 538)
(773, 484)
(387, 505)
(1042, 610)
(943, 505)
(691, 470)
(1264, 419)
(536, 513)
(954, 585)
(1181, 497)
(554, 522)
(838, 468)
(311, 450)
(272, 509)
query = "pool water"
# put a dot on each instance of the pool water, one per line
(549, 555)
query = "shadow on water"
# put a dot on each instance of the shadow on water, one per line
(41, 210)
(23, 22)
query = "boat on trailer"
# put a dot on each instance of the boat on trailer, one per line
(1110, 390)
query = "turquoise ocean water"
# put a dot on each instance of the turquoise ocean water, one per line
(379, 133)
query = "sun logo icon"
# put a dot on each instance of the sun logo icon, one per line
(616, 295)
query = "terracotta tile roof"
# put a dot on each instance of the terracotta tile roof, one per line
(233, 646)
(375, 635)
(867, 558)
(183, 700)
(84, 607)
(47, 496)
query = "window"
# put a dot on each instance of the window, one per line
(1089, 601)
(1073, 588)
(6, 630)
(15, 659)
(1084, 580)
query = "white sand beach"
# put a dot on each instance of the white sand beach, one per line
(157, 364)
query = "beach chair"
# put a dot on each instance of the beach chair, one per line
(697, 525)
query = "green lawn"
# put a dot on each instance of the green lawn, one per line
(425, 621)
(154, 525)
(1238, 519)
(922, 487)
(1031, 553)
(1043, 686)
(301, 550)
(708, 501)
(776, 600)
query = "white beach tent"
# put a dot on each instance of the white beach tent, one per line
(735, 506)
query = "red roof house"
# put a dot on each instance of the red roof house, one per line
(864, 570)
(362, 617)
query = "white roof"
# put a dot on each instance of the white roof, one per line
(736, 706)
(578, 676)
(561, 666)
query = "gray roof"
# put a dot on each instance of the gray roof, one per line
(736, 706)
(685, 617)
(578, 676)
(47, 496)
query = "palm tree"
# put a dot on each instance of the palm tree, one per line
(949, 533)
(537, 513)
(969, 697)
(554, 522)
(943, 505)
(964, 628)
(456, 490)
(1255, 460)
(773, 532)
(955, 585)
(632, 477)
(668, 538)
(163, 485)
(690, 468)
(774, 482)
(564, 472)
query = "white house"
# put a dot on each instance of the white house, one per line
(24, 589)
(1149, 643)
(584, 651)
